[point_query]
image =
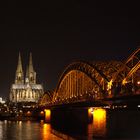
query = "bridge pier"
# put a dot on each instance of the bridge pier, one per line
(47, 116)
(116, 123)
(70, 119)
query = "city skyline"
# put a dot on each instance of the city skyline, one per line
(60, 33)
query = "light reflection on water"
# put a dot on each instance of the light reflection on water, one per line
(99, 122)
(26, 131)
(97, 128)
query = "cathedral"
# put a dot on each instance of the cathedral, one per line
(25, 88)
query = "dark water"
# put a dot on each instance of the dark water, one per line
(27, 130)
(116, 124)
(19, 130)
(119, 124)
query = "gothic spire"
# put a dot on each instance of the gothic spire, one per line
(31, 64)
(31, 73)
(19, 72)
(19, 66)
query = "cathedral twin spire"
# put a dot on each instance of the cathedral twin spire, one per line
(19, 72)
(30, 73)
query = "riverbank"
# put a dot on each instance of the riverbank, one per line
(18, 118)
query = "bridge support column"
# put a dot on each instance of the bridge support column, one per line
(47, 115)
(99, 122)
(70, 119)
(116, 123)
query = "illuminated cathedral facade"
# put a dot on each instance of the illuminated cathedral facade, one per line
(25, 88)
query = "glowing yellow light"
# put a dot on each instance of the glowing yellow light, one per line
(99, 120)
(99, 113)
(47, 115)
(124, 82)
(47, 112)
(46, 131)
(109, 85)
(90, 110)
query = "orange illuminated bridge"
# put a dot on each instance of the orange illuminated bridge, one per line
(96, 82)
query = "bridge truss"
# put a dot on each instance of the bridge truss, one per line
(89, 81)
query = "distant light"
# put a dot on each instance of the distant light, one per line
(91, 109)
(42, 113)
(138, 105)
(1, 100)
(5, 121)
(28, 113)
(138, 82)
(124, 106)
(106, 106)
(20, 123)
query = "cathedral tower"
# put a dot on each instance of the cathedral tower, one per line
(19, 77)
(28, 91)
(30, 73)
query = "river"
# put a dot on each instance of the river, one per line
(121, 124)
(27, 130)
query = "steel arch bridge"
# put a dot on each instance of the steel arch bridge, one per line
(92, 81)
(46, 99)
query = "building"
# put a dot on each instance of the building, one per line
(1, 100)
(25, 89)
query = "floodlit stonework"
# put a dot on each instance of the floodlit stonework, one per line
(25, 89)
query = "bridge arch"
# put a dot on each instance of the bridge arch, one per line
(91, 78)
(97, 80)
(129, 69)
(46, 98)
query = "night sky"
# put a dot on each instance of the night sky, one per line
(59, 32)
